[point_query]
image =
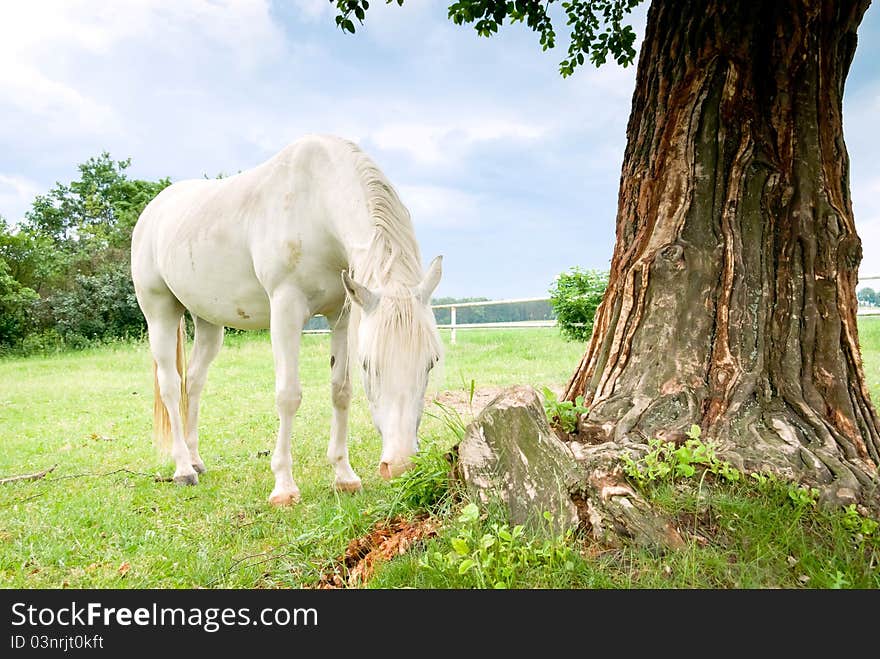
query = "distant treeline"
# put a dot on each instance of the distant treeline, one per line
(492, 313)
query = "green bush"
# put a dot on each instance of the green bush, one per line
(575, 295)
(65, 278)
(16, 308)
(98, 307)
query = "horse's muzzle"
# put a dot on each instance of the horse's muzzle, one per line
(389, 470)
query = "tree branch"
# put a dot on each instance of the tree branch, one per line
(28, 477)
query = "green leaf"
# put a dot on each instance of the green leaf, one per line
(470, 513)
(466, 565)
(461, 547)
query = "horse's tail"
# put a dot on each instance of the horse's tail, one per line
(161, 420)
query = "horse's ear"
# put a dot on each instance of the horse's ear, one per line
(361, 295)
(425, 289)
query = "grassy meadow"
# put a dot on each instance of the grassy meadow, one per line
(101, 519)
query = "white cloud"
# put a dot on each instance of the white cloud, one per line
(16, 195)
(866, 208)
(442, 142)
(44, 44)
(314, 9)
(58, 106)
(438, 206)
(26, 28)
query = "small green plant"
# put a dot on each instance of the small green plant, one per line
(765, 480)
(840, 581)
(668, 461)
(450, 417)
(498, 557)
(861, 527)
(563, 414)
(803, 496)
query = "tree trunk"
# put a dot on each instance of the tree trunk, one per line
(731, 302)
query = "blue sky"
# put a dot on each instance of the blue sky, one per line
(509, 171)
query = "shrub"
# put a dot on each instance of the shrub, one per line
(16, 308)
(575, 295)
(98, 307)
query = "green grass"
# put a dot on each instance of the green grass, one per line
(100, 520)
(91, 413)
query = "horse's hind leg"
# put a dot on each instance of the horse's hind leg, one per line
(340, 393)
(163, 314)
(206, 345)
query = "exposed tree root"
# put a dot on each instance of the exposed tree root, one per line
(386, 540)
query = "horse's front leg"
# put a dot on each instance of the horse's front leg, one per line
(340, 393)
(288, 316)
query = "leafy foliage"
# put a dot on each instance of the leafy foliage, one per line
(500, 556)
(860, 526)
(666, 461)
(98, 306)
(597, 28)
(66, 276)
(427, 486)
(16, 304)
(575, 295)
(98, 210)
(563, 414)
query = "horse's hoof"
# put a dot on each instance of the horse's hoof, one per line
(348, 486)
(284, 499)
(186, 479)
(199, 467)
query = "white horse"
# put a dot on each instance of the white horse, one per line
(317, 229)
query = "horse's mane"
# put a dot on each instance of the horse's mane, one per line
(405, 334)
(393, 256)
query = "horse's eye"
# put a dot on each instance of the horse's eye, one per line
(366, 365)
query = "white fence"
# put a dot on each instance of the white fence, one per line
(867, 310)
(453, 325)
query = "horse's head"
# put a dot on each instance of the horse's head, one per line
(397, 345)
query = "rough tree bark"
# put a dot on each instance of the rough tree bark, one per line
(731, 302)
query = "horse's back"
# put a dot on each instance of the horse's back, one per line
(223, 245)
